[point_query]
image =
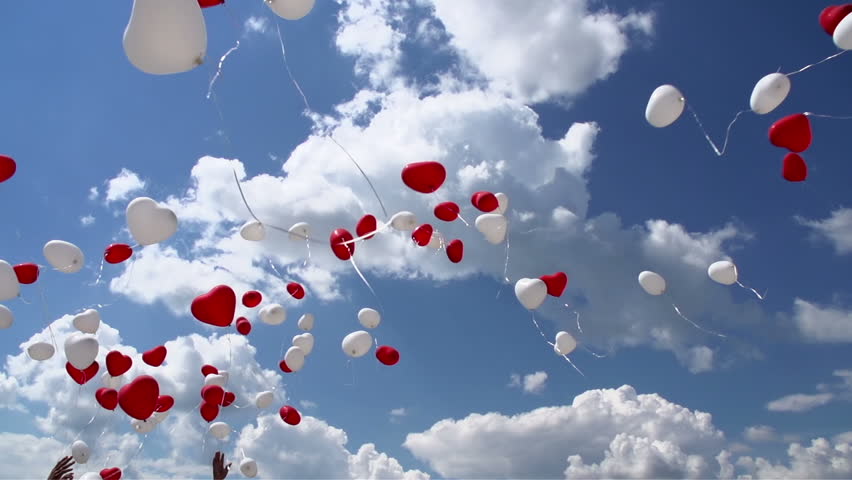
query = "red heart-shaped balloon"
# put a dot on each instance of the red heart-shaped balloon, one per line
(795, 169)
(139, 397)
(424, 177)
(290, 415)
(210, 3)
(832, 15)
(295, 290)
(387, 355)
(155, 357)
(343, 252)
(283, 366)
(82, 376)
(243, 326)
(792, 132)
(7, 168)
(117, 253)
(229, 398)
(209, 411)
(556, 283)
(366, 225)
(107, 397)
(455, 251)
(164, 403)
(216, 307)
(213, 394)
(447, 211)
(113, 473)
(252, 299)
(27, 273)
(485, 201)
(422, 234)
(118, 363)
(208, 370)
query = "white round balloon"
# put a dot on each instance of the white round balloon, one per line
(149, 222)
(88, 321)
(264, 399)
(81, 349)
(665, 106)
(64, 256)
(653, 283)
(565, 343)
(91, 476)
(219, 430)
(357, 344)
(723, 271)
(369, 318)
(80, 451)
(769, 92)
(295, 358)
(248, 467)
(165, 36)
(6, 317)
(40, 351)
(253, 231)
(300, 231)
(9, 285)
(494, 226)
(404, 221)
(306, 322)
(291, 9)
(304, 341)
(143, 426)
(273, 314)
(531, 292)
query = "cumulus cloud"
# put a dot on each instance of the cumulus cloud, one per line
(799, 402)
(370, 30)
(822, 324)
(124, 184)
(254, 24)
(760, 433)
(530, 383)
(821, 459)
(836, 229)
(87, 220)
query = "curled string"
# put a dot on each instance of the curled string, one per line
(677, 310)
(276, 270)
(761, 297)
(553, 345)
(579, 328)
(308, 246)
(596, 355)
(100, 273)
(219, 70)
(506, 263)
(806, 67)
(718, 152)
(834, 117)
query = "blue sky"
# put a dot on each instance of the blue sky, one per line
(595, 191)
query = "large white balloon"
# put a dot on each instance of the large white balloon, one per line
(665, 106)
(215, 379)
(502, 203)
(565, 343)
(295, 358)
(300, 231)
(112, 382)
(264, 399)
(80, 451)
(306, 322)
(304, 341)
(63, 256)
(357, 344)
(219, 430)
(9, 285)
(88, 321)
(81, 350)
(723, 271)
(253, 231)
(273, 314)
(494, 226)
(291, 9)
(653, 283)
(6, 317)
(143, 426)
(248, 467)
(369, 318)
(843, 33)
(149, 222)
(40, 351)
(769, 92)
(404, 221)
(165, 36)
(531, 292)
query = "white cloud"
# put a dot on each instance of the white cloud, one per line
(370, 31)
(398, 412)
(124, 184)
(531, 383)
(307, 404)
(93, 193)
(822, 324)
(819, 460)
(87, 220)
(837, 229)
(799, 402)
(760, 433)
(255, 24)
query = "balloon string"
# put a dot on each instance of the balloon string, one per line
(308, 246)
(126, 465)
(833, 117)
(579, 328)
(572, 364)
(100, 273)
(352, 371)
(753, 291)
(80, 433)
(463, 220)
(596, 355)
(364, 279)
(695, 324)
(806, 67)
(718, 152)
(535, 322)
(366, 235)
(46, 316)
(219, 70)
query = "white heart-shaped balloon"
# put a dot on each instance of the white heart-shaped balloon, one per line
(357, 344)
(306, 322)
(80, 451)
(253, 231)
(404, 221)
(40, 351)
(150, 223)
(9, 286)
(143, 426)
(494, 226)
(273, 314)
(264, 399)
(224, 374)
(369, 318)
(219, 430)
(64, 256)
(295, 358)
(81, 350)
(112, 382)
(300, 231)
(565, 343)
(6, 317)
(304, 341)
(502, 202)
(248, 467)
(215, 379)
(531, 292)
(88, 321)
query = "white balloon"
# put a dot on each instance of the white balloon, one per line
(843, 34)
(494, 226)
(295, 358)
(665, 106)
(6, 317)
(306, 322)
(158, 417)
(436, 241)
(723, 271)
(9, 285)
(112, 382)
(253, 231)
(273, 314)
(219, 430)
(149, 222)
(531, 292)
(264, 399)
(769, 92)
(248, 467)
(300, 231)
(80, 451)
(214, 379)
(404, 221)
(357, 344)
(91, 476)
(63, 256)
(502, 202)
(81, 350)
(565, 343)
(224, 374)
(143, 426)
(165, 36)
(304, 341)
(291, 9)
(369, 318)
(653, 283)
(40, 351)
(88, 321)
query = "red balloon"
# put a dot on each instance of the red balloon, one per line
(424, 177)
(252, 299)
(7, 168)
(485, 201)
(243, 326)
(422, 234)
(164, 403)
(216, 307)
(387, 355)
(209, 369)
(113, 473)
(556, 283)
(107, 397)
(795, 169)
(284, 368)
(296, 290)
(213, 394)
(792, 132)
(290, 415)
(343, 252)
(455, 251)
(117, 253)
(229, 398)
(155, 357)
(82, 376)
(366, 225)
(832, 15)
(447, 211)
(117, 363)
(27, 273)
(209, 411)
(139, 397)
